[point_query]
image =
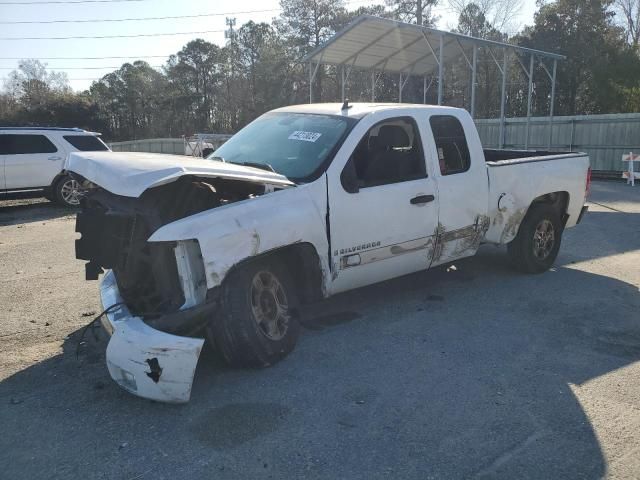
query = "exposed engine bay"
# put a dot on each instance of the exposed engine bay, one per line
(115, 230)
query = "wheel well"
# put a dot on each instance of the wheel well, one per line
(56, 179)
(559, 201)
(303, 264)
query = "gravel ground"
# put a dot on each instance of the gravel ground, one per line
(453, 373)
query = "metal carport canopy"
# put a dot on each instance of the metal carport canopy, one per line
(382, 45)
(374, 43)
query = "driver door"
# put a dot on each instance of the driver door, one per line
(383, 209)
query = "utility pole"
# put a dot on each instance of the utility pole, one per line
(419, 12)
(230, 34)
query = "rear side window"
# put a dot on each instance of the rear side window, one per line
(86, 143)
(12, 144)
(451, 144)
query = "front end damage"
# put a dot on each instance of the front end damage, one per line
(159, 288)
(143, 360)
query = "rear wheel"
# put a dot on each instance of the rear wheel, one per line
(67, 191)
(536, 246)
(258, 325)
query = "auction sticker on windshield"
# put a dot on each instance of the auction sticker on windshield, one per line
(305, 136)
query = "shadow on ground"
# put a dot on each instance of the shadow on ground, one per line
(601, 234)
(16, 210)
(443, 374)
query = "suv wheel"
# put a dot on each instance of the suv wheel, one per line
(67, 191)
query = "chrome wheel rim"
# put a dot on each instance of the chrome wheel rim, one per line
(543, 239)
(70, 192)
(269, 305)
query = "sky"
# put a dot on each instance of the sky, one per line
(82, 72)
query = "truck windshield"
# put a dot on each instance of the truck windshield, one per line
(295, 145)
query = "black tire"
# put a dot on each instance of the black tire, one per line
(61, 192)
(237, 334)
(534, 250)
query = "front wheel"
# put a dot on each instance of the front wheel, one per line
(258, 325)
(536, 246)
(67, 191)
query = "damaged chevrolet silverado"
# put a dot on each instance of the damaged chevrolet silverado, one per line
(303, 203)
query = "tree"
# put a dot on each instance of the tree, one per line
(584, 31)
(194, 76)
(129, 100)
(305, 25)
(265, 68)
(628, 12)
(473, 21)
(31, 85)
(499, 15)
(204, 87)
(35, 96)
(414, 11)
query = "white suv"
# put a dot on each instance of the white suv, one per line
(33, 159)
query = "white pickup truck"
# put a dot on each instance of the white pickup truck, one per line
(305, 202)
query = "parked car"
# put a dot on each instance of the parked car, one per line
(32, 160)
(303, 203)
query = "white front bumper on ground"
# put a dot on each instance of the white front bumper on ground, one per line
(145, 361)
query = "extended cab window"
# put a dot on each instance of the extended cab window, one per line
(13, 144)
(451, 144)
(390, 152)
(86, 143)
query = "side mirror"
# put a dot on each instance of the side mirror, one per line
(349, 177)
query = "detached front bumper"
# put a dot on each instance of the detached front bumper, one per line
(145, 361)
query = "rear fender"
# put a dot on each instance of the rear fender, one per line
(508, 218)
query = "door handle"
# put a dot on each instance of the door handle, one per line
(420, 199)
(54, 158)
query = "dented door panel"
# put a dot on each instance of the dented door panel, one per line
(463, 219)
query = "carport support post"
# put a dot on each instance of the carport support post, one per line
(373, 86)
(530, 90)
(440, 68)
(553, 98)
(424, 90)
(473, 81)
(503, 97)
(342, 74)
(310, 82)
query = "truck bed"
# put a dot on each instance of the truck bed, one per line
(497, 157)
(518, 177)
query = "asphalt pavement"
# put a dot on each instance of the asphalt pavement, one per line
(470, 371)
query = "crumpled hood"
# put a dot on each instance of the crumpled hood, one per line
(131, 173)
